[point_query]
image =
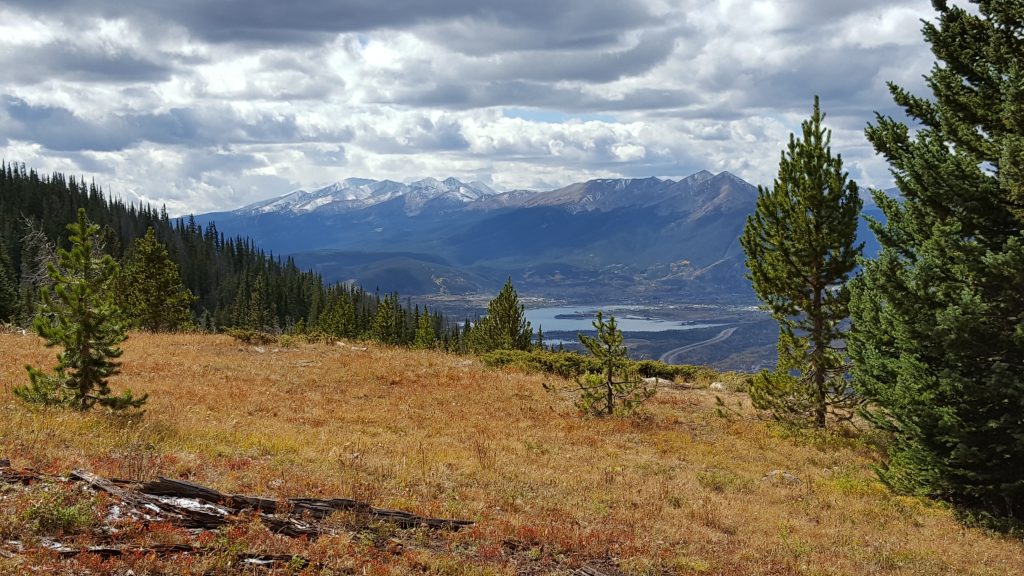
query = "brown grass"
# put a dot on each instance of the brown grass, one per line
(677, 490)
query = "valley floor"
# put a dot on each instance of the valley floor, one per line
(678, 490)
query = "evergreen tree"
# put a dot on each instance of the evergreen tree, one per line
(616, 385)
(938, 337)
(387, 322)
(257, 316)
(801, 249)
(152, 295)
(505, 327)
(426, 337)
(339, 318)
(8, 287)
(80, 316)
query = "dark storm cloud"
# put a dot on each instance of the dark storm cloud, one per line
(424, 134)
(60, 129)
(523, 93)
(57, 128)
(66, 61)
(274, 22)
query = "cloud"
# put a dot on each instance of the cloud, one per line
(210, 105)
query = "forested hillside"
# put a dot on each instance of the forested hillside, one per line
(236, 284)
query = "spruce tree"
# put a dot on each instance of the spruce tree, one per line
(505, 327)
(387, 322)
(616, 385)
(80, 316)
(338, 318)
(801, 249)
(257, 314)
(938, 337)
(8, 287)
(425, 338)
(152, 295)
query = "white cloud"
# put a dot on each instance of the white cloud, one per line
(185, 108)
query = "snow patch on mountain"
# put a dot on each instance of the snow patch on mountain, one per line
(358, 193)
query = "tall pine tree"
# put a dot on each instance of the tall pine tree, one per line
(152, 295)
(8, 287)
(801, 246)
(938, 338)
(505, 327)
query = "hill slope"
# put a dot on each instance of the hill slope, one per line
(678, 491)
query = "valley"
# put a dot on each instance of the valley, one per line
(662, 254)
(625, 240)
(680, 333)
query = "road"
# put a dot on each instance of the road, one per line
(671, 357)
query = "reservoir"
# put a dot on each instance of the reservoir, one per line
(580, 318)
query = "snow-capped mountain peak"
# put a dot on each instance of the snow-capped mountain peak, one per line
(358, 193)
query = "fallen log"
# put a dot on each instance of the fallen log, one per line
(163, 550)
(184, 489)
(177, 512)
(312, 507)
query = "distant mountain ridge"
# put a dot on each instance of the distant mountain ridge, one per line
(359, 193)
(608, 239)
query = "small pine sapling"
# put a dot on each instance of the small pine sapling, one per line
(80, 316)
(616, 387)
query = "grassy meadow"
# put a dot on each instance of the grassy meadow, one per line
(677, 489)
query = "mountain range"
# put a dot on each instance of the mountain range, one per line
(609, 240)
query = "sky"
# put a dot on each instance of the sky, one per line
(204, 105)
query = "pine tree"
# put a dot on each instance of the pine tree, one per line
(152, 295)
(257, 316)
(339, 318)
(80, 316)
(616, 385)
(938, 337)
(8, 287)
(505, 327)
(387, 322)
(425, 338)
(801, 249)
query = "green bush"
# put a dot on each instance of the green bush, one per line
(564, 364)
(254, 337)
(59, 512)
(656, 369)
(572, 365)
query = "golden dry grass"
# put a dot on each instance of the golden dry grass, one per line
(677, 491)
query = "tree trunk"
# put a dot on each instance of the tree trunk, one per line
(818, 361)
(609, 390)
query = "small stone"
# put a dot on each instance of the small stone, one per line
(717, 386)
(782, 477)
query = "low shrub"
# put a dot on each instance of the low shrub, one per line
(254, 337)
(573, 364)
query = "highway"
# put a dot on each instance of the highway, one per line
(672, 356)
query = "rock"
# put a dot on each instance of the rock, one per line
(654, 381)
(781, 477)
(717, 386)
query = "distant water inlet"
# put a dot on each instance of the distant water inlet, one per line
(580, 318)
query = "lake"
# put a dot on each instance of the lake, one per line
(580, 318)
